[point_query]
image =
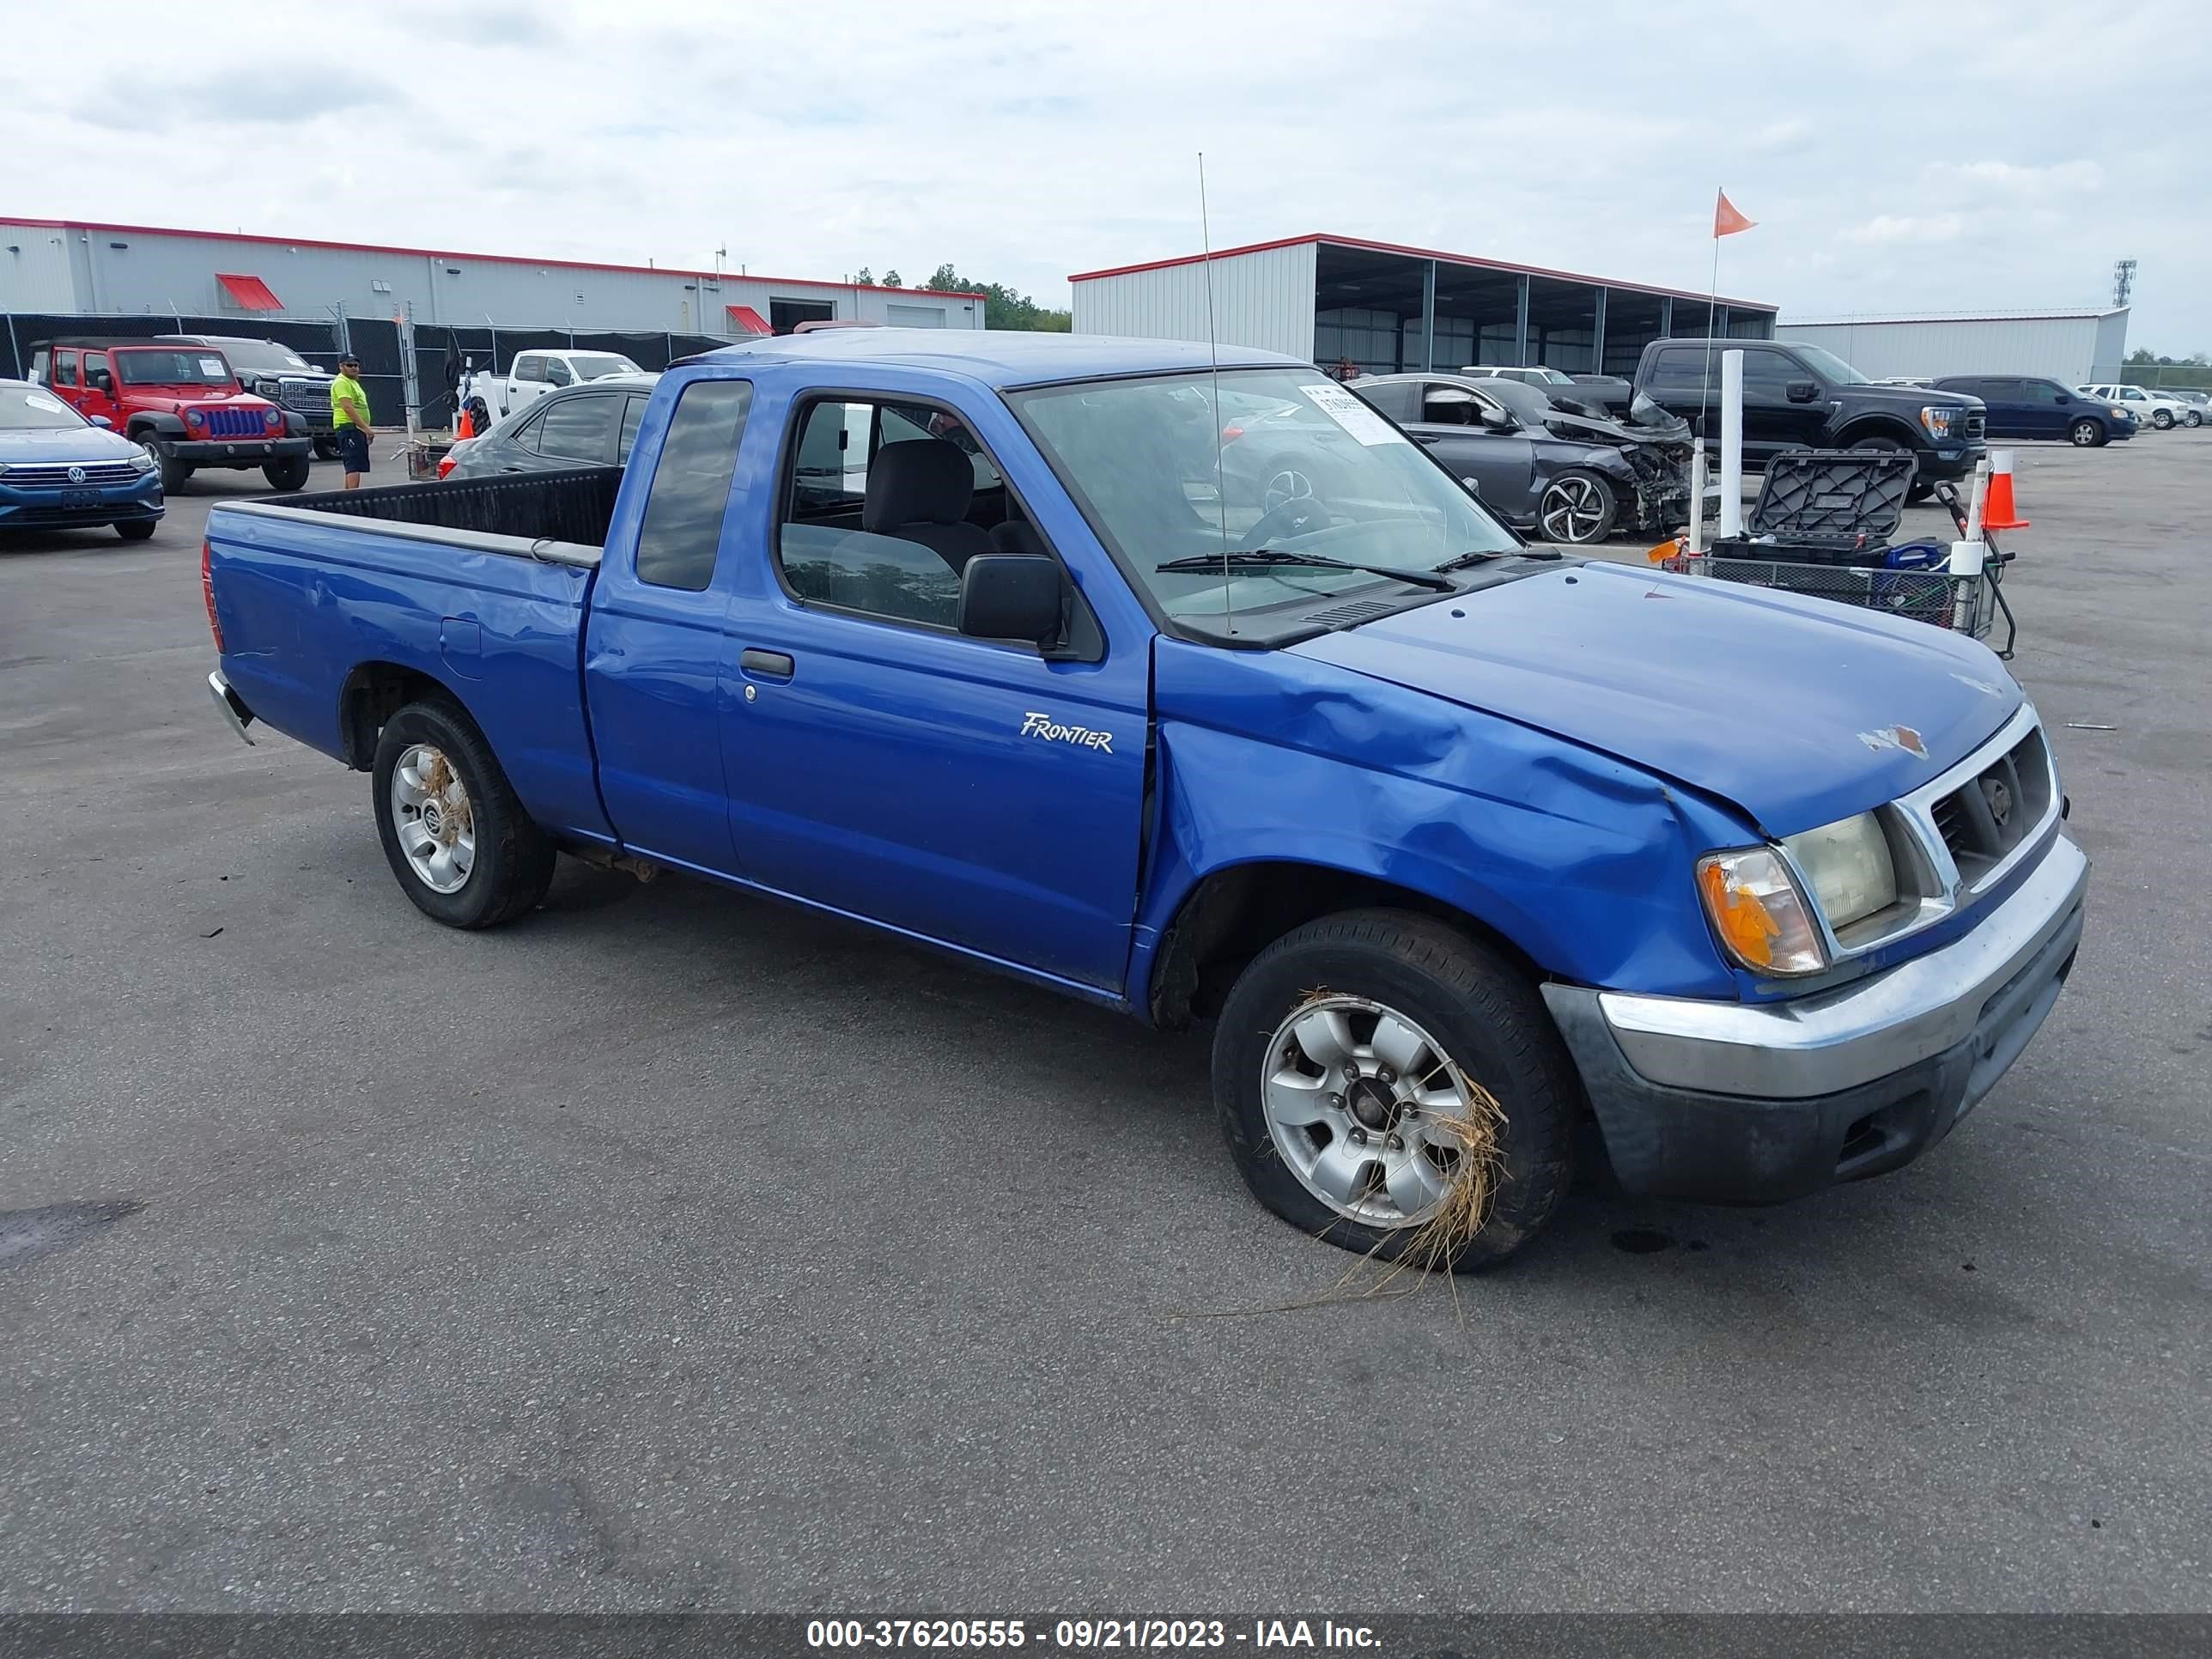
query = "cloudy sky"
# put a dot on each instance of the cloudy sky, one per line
(2004, 160)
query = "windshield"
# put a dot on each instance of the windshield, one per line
(594, 365)
(185, 365)
(27, 409)
(1553, 377)
(1829, 366)
(1319, 473)
(266, 356)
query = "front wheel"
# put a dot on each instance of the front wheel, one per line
(286, 475)
(1576, 508)
(1393, 1086)
(173, 473)
(136, 529)
(2086, 434)
(2162, 419)
(453, 831)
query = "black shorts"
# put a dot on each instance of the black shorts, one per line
(353, 447)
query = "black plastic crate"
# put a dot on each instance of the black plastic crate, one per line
(1826, 507)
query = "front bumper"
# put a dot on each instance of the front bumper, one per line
(57, 509)
(236, 452)
(1728, 1103)
(1947, 461)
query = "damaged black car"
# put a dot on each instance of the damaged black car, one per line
(1558, 473)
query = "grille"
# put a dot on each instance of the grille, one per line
(236, 423)
(309, 395)
(1983, 820)
(57, 476)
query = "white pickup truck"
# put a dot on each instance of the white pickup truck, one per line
(534, 374)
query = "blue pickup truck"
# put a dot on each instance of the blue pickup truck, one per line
(1461, 844)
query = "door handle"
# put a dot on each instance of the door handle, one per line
(766, 664)
(1428, 437)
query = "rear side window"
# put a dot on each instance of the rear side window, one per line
(529, 367)
(1392, 397)
(64, 369)
(692, 485)
(575, 429)
(1679, 364)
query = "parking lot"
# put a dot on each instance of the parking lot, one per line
(673, 1249)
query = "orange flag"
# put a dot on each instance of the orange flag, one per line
(1726, 220)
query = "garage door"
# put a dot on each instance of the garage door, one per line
(915, 316)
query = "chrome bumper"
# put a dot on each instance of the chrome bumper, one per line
(234, 711)
(1855, 1034)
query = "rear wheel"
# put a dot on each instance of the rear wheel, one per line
(135, 530)
(2195, 417)
(1395, 1087)
(463, 847)
(1576, 508)
(288, 474)
(2086, 434)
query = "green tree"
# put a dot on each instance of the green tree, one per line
(892, 279)
(864, 278)
(1002, 307)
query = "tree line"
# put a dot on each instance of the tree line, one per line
(1003, 308)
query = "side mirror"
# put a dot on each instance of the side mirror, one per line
(1801, 392)
(101, 421)
(1010, 596)
(1473, 487)
(2063, 400)
(1498, 421)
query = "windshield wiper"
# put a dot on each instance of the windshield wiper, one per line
(1468, 561)
(1263, 558)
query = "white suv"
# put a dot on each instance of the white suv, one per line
(2149, 407)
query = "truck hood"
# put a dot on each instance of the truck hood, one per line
(176, 399)
(1796, 710)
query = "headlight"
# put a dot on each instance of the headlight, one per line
(1849, 866)
(1759, 913)
(139, 458)
(193, 418)
(2119, 414)
(1938, 419)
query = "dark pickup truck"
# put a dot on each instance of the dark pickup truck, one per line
(1800, 396)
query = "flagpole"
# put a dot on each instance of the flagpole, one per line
(1712, 311)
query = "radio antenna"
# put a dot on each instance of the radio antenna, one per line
(1213, 355)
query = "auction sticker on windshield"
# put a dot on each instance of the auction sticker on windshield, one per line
(211, 366)
(1353, 416)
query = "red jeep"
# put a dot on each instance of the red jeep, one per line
(182, 404)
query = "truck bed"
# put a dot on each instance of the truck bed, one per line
(571, 509)
(480, 585)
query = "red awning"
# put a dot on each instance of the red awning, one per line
(248, 293)
(747, 319)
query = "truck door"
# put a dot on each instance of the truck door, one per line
(62, 378)
(526, 381)
(882, 764)
(1773, 418)
(97, 395)
(654, 646)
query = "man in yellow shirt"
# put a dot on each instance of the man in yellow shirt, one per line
(350, 419)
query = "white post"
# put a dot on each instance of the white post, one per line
(1697, 497)
(1976, 501)
(1731, 443)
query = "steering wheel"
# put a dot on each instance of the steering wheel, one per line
(1288, 507)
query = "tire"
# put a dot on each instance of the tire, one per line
(136, 530)
(173, 473)
(286, 475)
(509, 863)
(1461, 999)
(2162, 419)
(1917, 490)
(1578, 509)
(2195, 417)
(2087, 434)
(326, 446)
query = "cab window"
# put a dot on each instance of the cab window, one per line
(64, 369)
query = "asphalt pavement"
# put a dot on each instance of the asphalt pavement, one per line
(674, 1249)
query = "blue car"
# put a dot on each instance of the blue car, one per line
(2027, 407)
(60, 472)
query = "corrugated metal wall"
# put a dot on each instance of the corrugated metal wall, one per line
(1263, 299)
(153, 272)
(2064, 348)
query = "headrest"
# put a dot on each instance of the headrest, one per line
(920, 481)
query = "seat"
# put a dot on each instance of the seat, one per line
(1015, 536)
(919, 491)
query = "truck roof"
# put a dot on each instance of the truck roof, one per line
(998, 357)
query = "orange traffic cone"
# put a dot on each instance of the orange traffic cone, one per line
(1998, 513)
(466, 428)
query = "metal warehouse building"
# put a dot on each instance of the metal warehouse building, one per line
(67, 266)
(2071, 347)
(1387, 308)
